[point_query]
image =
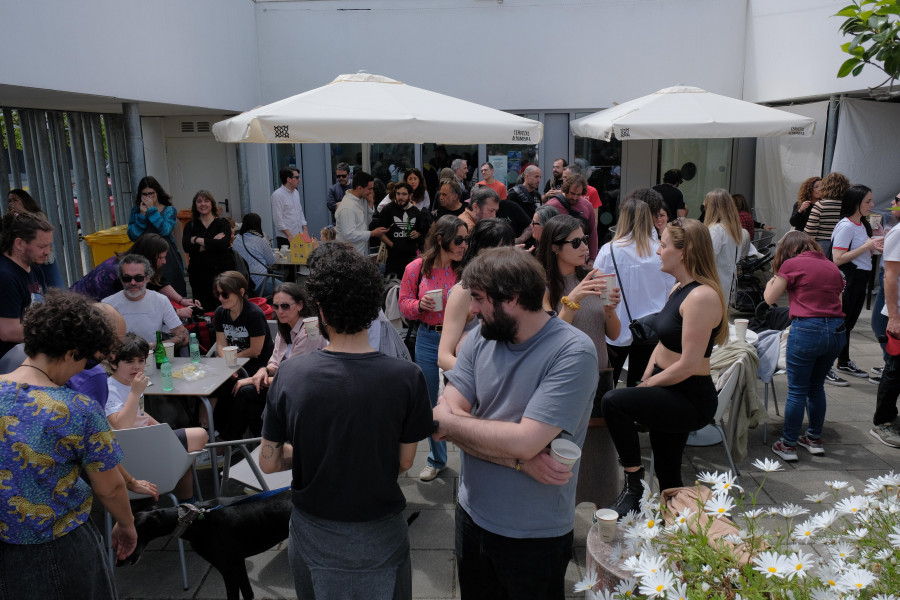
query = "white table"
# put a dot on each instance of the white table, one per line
(217, 373)
(294, 269)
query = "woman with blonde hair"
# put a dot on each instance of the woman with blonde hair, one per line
(825, 214)
(810, 192)
(631, 255)
(727, 237)
(677, 394)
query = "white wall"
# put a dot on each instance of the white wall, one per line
(198, 53)
(518, 55)
(794, 51)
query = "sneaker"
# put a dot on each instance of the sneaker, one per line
(429, 473)
(874, 379)
(876, 371)
(202, 461)
(832, 378)
(814, 446)
(887, 434)
(787, 453)
(851, 369)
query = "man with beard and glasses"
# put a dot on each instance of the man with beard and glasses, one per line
(406, 228)
(522, 379)
(348, 535)
(145, 311)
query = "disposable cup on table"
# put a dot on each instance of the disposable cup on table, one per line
(230, 355)
(740, 329)
(607, 519)
(170, 350)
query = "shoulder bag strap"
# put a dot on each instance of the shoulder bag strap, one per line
(621, 288)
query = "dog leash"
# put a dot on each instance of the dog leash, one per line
(188, 513)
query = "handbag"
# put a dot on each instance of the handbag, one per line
(382, 257)
(412, 327)
(642, 329)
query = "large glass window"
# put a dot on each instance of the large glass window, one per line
(510, 160)
(439, 156)
(705, 165)
(352, 154)
(390, 161)
(284, 156)
(601, 163)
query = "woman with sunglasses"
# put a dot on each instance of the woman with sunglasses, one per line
(103, 280)
(677, 394)
(575, 294)
(458, 321)
(239, 323)
(645, 287)
(291, 307)
(437, 269)
(153, 213)
(207, 240)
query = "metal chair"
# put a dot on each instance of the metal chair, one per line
(155, 453)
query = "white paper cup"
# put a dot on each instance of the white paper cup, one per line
(565, 451)
(230, 355)
(606, 519)
(311, 324)
(170, 350)
(610, 280)
(285, 249)
(740, 329)
(875, 221)
(438, 297)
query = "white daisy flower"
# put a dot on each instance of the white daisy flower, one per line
(679, 592)
(681, 520)
(837, 485)
(789, 510)
(826, 594)
(800, 561)
(626, 588)
(733, 538)
(629, 519)
(894, 539)
(631, 563)
(649, 528)
(649, 564)
(615, 554)
(885, 553)
(826, 518)
(885, 597)
(588, 582)
(772, 564)
(855, 579)
(805, 531)
(817, 498)
(829, 575)
(706, 569)
(726, 484)
(768, 465)
(601, 595)
(755, 513)
(857, 534)
(657, 584)
(842, 550)
(876, 484)
(852, 505)
(719, 505)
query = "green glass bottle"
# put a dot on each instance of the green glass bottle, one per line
(160, 353)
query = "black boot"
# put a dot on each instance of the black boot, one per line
(630, 498)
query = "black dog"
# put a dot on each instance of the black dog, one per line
(226, 536)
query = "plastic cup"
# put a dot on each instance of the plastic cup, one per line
(311, 324)
(565, 451)
(610, 280)
(438, 297)
(740, 329)
(230, 355)
(607, 519)
(170, 350)
(875, 221)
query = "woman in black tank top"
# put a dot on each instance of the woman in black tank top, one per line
(677, 394)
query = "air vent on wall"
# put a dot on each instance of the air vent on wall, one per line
(203, 127)
(187, 127)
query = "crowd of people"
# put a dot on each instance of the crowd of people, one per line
(523, 330)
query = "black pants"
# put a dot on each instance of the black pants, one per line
(670, 413)
(888, 390)
(638, 356)
(852, 301)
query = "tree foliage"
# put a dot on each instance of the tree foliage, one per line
(874, 26)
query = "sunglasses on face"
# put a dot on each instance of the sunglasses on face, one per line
(130, 278)
(576, 243)
(282, 306)
(339, 176)
(223, 295)
(459, 240)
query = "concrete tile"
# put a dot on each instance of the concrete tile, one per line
(438, 493)
(434, 574)
(158, 575)
(269, 573)
(433, 530)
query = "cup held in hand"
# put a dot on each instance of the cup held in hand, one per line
(565, 451)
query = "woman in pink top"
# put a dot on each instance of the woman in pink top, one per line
(814, 285)
(291, 307)
(438, 268)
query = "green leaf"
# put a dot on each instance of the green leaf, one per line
(847, 67)
(858, 69)
(849, 11)
(877, 22)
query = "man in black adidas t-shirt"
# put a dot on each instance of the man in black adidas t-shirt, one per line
(406, 226)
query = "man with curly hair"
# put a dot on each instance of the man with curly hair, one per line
(346, 420)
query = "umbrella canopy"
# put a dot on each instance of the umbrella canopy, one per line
(366, 108)
(683, 112)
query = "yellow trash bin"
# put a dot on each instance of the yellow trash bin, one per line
(106, 242)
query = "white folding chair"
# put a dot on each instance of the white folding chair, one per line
(154, 453)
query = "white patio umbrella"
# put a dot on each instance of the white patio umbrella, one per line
(683, 112)
(364, 108)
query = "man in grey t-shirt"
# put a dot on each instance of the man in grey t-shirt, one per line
(527, 378)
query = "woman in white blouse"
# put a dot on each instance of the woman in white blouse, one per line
(291, 307)
(643, 286)
(725, 229)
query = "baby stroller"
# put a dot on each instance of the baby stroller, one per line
(750, 277)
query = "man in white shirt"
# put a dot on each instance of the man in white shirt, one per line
(145, 311)
(354, 213)
(885, 420)
(286, 209)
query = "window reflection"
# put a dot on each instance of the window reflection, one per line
(705, 165)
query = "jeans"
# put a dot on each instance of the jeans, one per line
(812, 346)
(888, 390)
(879, 321)
(427, 342)
(73, 566)
(852, 301)
(496, 567)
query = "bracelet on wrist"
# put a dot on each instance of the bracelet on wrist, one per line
(570, 303)
(518, 466)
